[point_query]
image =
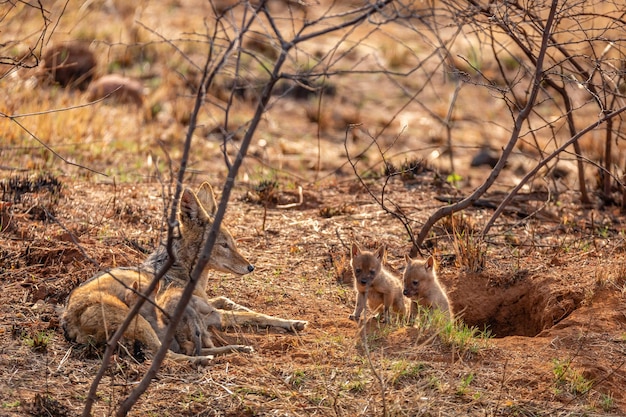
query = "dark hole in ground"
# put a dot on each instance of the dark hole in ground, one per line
(520, 307)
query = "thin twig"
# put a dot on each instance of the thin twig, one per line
(55, 153)
(397, 213)
(543, 162)
(519, 121)
(368, 355)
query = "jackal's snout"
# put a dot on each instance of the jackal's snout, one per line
(235, 264)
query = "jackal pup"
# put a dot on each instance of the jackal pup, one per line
(375, 284)
(97, 308)
(189, 332)
(423, 288)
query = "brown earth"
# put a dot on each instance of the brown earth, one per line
(551, 288)
(547, 304)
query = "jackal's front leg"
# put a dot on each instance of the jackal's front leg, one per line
(387, 306)
(224, 350)
(224, 303)
(238, 318)
(234, 315)
(413, 310)
(359, 307)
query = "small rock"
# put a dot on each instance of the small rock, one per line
(486, 156)
(117, 88)
(70, 65)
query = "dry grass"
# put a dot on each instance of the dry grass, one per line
(429, 368)
(567, 283)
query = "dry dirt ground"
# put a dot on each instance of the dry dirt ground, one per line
(553, 299)
(550, 289)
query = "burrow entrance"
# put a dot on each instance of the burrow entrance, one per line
(521, 305)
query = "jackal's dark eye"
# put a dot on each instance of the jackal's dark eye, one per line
(415, 282)
(358, 270)
(224, 245)
(372, 271)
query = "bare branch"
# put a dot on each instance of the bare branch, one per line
(45, 145)
(397, 213)
(547, 159)
(468, 201)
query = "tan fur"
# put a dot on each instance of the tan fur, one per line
(375, 284)
(196, 218)
(423, 288)
(97, 308)
(192, 334)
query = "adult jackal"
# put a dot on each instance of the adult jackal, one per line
(96, 309)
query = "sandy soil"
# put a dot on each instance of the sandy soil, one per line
(547, 284)
(557, 315)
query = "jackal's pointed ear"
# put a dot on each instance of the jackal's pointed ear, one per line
(355, 250)
(207, 198)
(381, 252)
(190, 208)
(430, 262)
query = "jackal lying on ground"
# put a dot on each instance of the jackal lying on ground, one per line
(95, 309)
(375, 284)
(423, 288)
(196, 219)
